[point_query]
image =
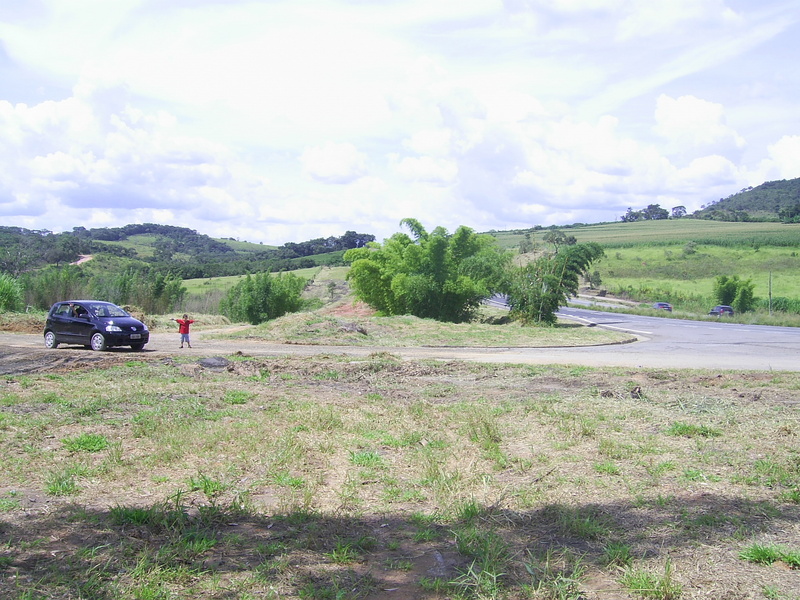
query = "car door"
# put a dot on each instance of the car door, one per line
(61, 323)
(82, 324)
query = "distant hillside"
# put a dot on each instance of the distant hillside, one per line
(769, 201)
(168, 249)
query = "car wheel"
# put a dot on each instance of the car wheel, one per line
(98, 342)
(50, 340)
(137, 347)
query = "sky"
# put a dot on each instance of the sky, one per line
(279, 121)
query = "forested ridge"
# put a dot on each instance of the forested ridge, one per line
(180, 251)
(770, 201)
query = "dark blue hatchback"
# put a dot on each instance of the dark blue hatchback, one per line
(94, 324)
(721, 310)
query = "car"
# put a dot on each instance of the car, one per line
(663, 306)
(95, 324)
(721, 310)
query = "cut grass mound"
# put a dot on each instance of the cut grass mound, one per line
(331, 329)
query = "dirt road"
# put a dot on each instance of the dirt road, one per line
(25, 353)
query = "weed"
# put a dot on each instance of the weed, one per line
(62, 483)
(555, 576)
(237, 397)
(617, 554)
(661, 468)
(367, 458)
(398, 564)
(211, 488)
(792, 496)
(328, 419)
(690, 474)
(434, 585)
(690, 430)
(583, 522)
(607, 467)
(480, 582)
(286, 479)
(86, 442)
(766, 555)
(468, 512)
(9, 502)
(343, 553)
(652, 585)
(426, 534)
(616, 450)
(194, 543)
(328, 375)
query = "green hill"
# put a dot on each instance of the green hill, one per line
(179, 251)
(768, 201)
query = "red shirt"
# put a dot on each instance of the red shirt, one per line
(183, 325)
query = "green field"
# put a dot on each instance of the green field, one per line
(669, 232)
(678, 260)
(668, 265)
(144, 245)
(245, 247)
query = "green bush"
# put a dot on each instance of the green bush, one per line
(735, 292)
(432, 276)
(10, 294)
(262, 297)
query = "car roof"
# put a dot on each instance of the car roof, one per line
(84, 302)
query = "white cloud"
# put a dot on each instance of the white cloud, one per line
(426, 168)
(279, 121)
(334, 163)
(785, 154)
(693, 124)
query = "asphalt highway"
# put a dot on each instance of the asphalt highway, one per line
(666, 342)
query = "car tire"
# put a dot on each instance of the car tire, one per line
(98, 342)
(50, 341)
(137, 347)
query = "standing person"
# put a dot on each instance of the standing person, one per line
(183, 329)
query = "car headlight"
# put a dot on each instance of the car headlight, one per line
(114, 328)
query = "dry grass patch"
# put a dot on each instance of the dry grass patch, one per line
(338, 478)
(340, 327)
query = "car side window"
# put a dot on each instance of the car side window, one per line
(63, 310)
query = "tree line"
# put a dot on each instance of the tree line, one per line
(177, 251)
(653, 212)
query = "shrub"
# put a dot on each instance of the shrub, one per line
(10, 294)
(261, 297)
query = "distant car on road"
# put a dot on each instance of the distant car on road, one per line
(721, 310)
(94, 324)
(663, 306)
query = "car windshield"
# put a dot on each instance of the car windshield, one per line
(102, 309)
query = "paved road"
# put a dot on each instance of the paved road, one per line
(663, 343)
(695, 344)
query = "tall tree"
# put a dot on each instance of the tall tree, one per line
(434, 275)
(537, 290)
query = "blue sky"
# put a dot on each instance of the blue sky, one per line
(285, 120)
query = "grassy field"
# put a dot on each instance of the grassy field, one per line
(332, 478)
(670, 232)
(678, 260)
(144, 245)
(669, 267)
